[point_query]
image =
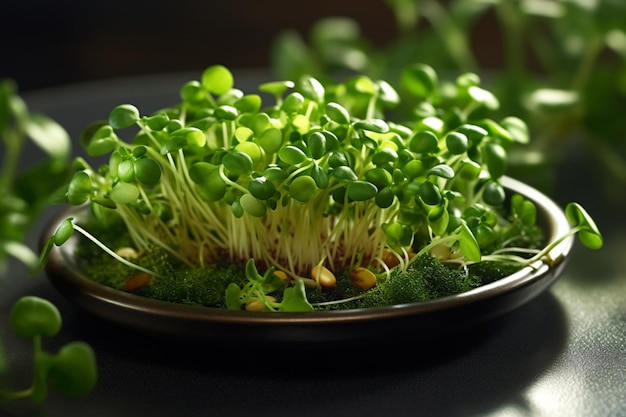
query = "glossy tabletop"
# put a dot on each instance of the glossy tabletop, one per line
(561, 354)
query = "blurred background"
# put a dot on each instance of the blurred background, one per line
(558, 64)
(46, 43)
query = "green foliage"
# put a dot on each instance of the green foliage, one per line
(561, 63)
(25, 191)
(321, 176)
(426, 279)
(71, 371)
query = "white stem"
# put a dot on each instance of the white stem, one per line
(112, 253)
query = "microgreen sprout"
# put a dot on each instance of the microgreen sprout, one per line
(320, 179)
(72, 370)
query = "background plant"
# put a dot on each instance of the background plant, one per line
(72, 370)
(26, 191)
(561, 68)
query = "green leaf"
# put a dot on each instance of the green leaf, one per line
(123, 116)
(496, 159)
(192, 92)
(251, 149)
(126, 170)
(191, 135)
(317, 145)
(424, 142)
(174, 144)
(517, 128)
(379, 177)
(226, 113)
(79, 189)
(438, 219)
(484, 97)
(201, 171)
(217, 79)
(430, 193)
(63, 232)
(250, 103)
(103, 141)
(270, 140)
(261, 188)
(293, 103)
(294, 299)
(124, 193)
(344, 173)
(276, 88)
(524, 209)
(398, 234)
(469, 170)
(442, 171)
(420, 80)
(21, 252)
(493, 194)
(320, 176)
(588, 232)
(33, 316)
(49, 136)
(292, 155)
(384, 198)
(148, 171)
(337, 113)
(157, 122)
(311, 88)
(473, 133)
(373, 125)
(252, 205)
(361, 190)
(231, 298)
(387, 94)
(468, 244)
(302, 188)
(73, 370)
(238, 163)
(384, 156)
(550, 99)
(457, 143)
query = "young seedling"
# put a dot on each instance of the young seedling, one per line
(71, 371)
(320, 179)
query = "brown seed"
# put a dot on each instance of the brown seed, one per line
(363, 278)
(257, 305)
(137, 281)
(390, 259)
(282, 275)
(323, 276)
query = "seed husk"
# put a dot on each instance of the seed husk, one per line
(363, 278)
(323, 276)
(137, 280)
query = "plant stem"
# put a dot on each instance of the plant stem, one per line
(112, 253)
(13, 145)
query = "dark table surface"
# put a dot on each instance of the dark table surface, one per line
(562, 354)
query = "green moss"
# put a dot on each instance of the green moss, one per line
(425, 279)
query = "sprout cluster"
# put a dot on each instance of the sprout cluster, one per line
(320, 177)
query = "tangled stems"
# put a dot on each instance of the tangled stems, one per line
(319, 178)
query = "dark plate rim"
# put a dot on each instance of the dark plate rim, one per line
(64, 274)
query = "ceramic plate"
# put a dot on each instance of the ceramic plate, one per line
(400, 322)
